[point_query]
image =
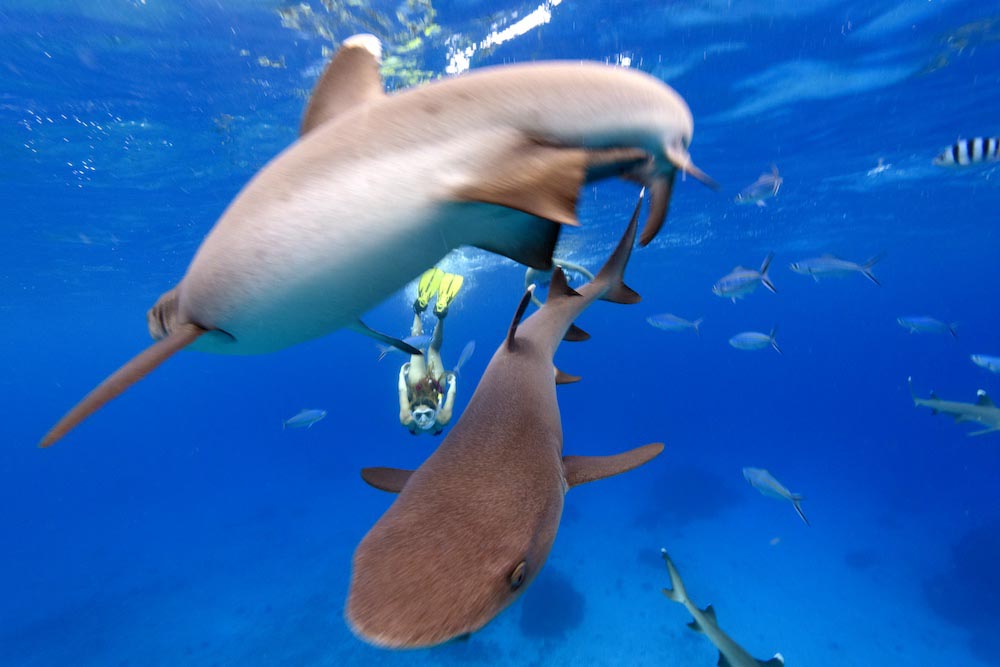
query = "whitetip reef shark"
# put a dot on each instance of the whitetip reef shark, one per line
(983, 411)
(473, 525)
(731, 654)
(380, 186)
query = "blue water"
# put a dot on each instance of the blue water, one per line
(181, 525)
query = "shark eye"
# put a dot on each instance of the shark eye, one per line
(517, 576)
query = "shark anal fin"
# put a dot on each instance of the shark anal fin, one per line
(575, 334)
(521, 307)
(114, 385)
(364, 329)
(565, 378)
(583, 469)
(661, 190)
(351, 79)
(386, 479)
(536, 178)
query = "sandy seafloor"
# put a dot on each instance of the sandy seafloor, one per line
(182, 526)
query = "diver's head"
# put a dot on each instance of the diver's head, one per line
(424, 417)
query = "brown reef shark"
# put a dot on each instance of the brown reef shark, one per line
(731, 654)
(473, 525)
(381, 186)
(983, 411)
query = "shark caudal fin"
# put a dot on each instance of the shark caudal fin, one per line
(676, 591)
(583, 469)
(613, 272)
(115, 384)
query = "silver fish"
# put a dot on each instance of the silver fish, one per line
(765, 482)
(305, 419)
(765, 187)
(832, 266)
(742, 281)
(965, 152)
(755, 340)
(924, 324)
(670, 322)
(467, 351)
(987, 362)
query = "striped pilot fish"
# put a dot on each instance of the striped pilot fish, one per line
(970, 151)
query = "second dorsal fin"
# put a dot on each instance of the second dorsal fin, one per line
(351, 79)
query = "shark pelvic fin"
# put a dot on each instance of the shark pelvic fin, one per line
(115, 384)
(565, 378)
(576, 335)
(533, 177)
(521, 307)
(350, 80)
(583, 469)
(386, 339)
(386, 479)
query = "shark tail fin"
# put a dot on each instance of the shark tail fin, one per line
(521, 307)
(613, 271)
(797, 504)
(952, 329)
(676, 591)
(115, 384)
(764, 278)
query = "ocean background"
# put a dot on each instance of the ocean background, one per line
(182, 526)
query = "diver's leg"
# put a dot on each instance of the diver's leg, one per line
(434, 351)
(418, 364)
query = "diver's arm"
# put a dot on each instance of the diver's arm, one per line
(444, 414)
(405, 416)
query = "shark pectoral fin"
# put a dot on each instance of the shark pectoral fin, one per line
(523, 238)
(609, 162)
(364, 329)
(114, 385)
(985, 431)
(660, 191)
(536, 178)
(575, 334)
(386, 479)
(583, 469)
(350, 80)
(565, 378)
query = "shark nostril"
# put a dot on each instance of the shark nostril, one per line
(517, 576)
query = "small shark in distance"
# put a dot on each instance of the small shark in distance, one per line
(474, 524)
(983, 411)
(731, 654)
(380, 186)
(766, 483)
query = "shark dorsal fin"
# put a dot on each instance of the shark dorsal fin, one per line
(709, 612)
(386, 479)
(350, 80)
(558, 286)
(983, 400)
(583, 469)
(777, 661)
(521, 307)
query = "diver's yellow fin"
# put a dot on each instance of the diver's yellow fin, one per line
(451, 283)
(428, 286)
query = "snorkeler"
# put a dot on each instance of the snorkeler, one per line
(422, 379)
